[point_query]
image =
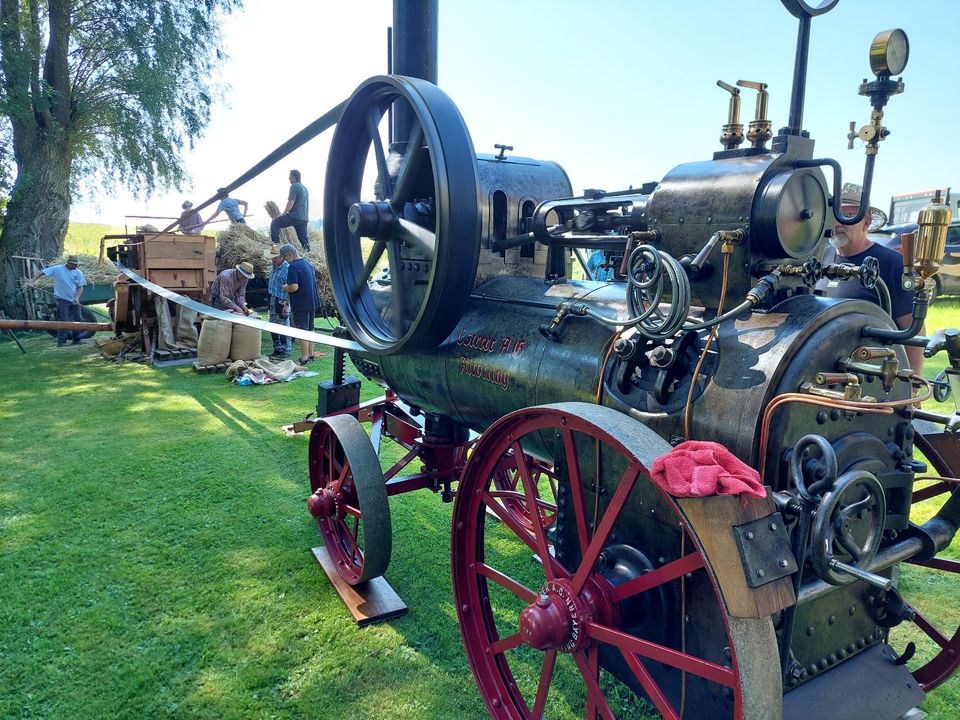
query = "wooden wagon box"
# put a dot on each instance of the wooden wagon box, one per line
(183, 263)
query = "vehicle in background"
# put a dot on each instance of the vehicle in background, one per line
(904, 208)
(948, 279)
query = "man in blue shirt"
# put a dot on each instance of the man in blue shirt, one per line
(295, 214)
(279, 305)
(230, 206)
(68, 282)
(301, 287)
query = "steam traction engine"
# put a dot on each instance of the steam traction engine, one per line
(545, 401)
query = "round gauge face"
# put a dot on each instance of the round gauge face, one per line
(889, 53)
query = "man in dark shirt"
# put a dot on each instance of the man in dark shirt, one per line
(295, 214)
(301, 287)
(851, 244)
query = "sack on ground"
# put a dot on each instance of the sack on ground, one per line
(246, 343)
(214, 344)
(186, 330)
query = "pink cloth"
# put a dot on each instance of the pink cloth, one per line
(697, 468)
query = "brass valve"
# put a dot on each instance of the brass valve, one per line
(732, 133)
(932, 239)
(760, 127)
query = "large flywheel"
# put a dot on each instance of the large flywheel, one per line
(401, 219)
(620, 603)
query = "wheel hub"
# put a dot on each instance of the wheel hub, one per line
(323, 503)
(371, 219)
(557, 619)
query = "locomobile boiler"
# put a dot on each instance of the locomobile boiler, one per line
(552, 412)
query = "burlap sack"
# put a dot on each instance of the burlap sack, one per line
(186, 330)
(246, 343)
(214, 344)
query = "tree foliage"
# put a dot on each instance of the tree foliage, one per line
(104, 90)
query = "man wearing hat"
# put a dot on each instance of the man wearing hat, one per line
(279, 302)
(301, 286)
(229, 291)
(68, 282)
(850, 244)
(190, 220)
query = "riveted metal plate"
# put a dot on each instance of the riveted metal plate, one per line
(765, 550)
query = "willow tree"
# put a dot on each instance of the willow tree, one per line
(103, 90)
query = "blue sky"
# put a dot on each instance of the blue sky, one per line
(618, 92)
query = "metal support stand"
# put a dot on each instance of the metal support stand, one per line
(339, 393)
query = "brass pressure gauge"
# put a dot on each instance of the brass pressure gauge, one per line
(889, 53)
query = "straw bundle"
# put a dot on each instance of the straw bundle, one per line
(94, 275)
(239, 242)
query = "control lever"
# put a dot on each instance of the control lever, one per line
(878, 581)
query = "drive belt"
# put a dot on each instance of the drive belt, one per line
(236, 319)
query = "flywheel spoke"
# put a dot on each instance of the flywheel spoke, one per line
(421, 239)
(412, 158)
(383, 189)
(376, 252)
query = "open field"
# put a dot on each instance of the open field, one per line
(154, 555)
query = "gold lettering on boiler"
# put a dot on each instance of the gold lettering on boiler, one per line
(505, 345)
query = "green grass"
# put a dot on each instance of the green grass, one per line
(84, 238)
(154, 556)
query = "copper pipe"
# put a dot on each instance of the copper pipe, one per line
(688, 408)
(879, 408)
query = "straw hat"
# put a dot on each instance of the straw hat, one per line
(246, 269)
(274, 251)
(851, 193)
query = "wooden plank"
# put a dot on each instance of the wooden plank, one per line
(175, 279)
(712, 519)
(174, 246)
(373, 601)
(195, 262)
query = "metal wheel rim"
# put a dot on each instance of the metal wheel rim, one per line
(343, 462)
(487, 650)
(945, 662)
(457, 216)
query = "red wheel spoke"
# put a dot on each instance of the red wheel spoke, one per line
(546, 675)
(576, 488)
(617, 502)
(507, 643)
(650, 686)
(505, 581)
(930, 630)
(521, 532)
(516, 497)
(533, 509)
(669, 572)
(634, 645)
(595, 698)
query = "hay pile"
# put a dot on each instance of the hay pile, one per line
(88, 266)
(239, 243)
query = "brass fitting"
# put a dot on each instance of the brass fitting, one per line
(760, 127)
(731, 136)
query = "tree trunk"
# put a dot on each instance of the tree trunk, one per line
(37, 215)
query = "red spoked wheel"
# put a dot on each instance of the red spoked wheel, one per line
(507, 489)
(349, 498)
(938, 653)
(624, 605)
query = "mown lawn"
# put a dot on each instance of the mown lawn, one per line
(155, 558)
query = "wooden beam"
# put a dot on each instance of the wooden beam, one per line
(53, 325)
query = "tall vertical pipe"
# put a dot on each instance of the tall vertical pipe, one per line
(414, 50)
